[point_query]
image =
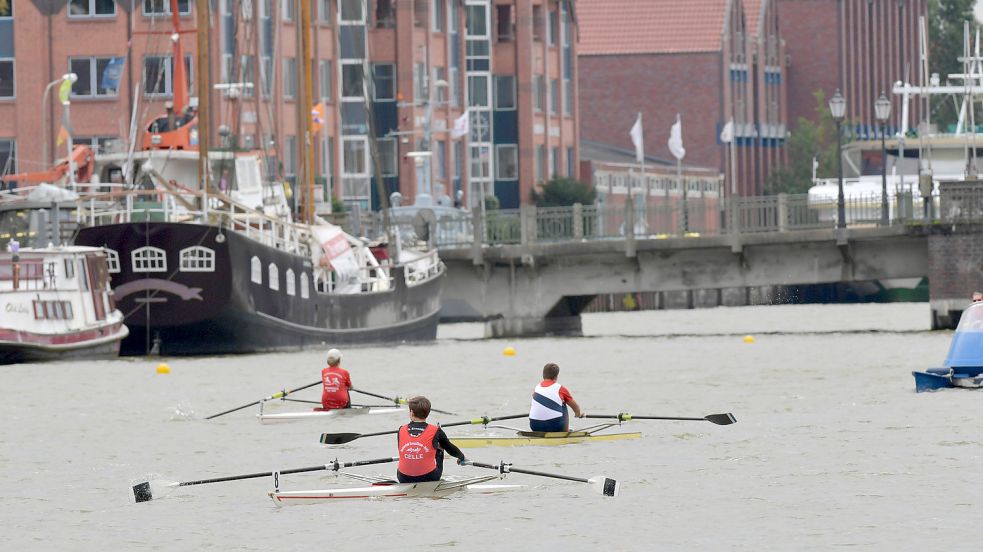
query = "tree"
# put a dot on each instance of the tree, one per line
(810, 140)
(945, 28)
(563, 192)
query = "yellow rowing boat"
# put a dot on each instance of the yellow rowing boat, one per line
(523, 438)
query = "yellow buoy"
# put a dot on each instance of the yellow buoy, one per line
(163, 368)
(749, 339)
(509, 351)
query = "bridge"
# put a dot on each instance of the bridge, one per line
(530, 271)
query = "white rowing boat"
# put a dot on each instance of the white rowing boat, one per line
(542, 438)
(266, 418)
(391, 489)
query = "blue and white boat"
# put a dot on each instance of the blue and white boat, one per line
(963, 367)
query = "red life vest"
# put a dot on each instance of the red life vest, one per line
(336, 382)
(417, 455)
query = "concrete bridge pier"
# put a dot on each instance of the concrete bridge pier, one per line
(955, 271)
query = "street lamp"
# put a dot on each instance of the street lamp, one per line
(882, 110)
(837, 108)
(44, 113)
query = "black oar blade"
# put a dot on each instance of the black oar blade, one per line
(722, 419)
(605, 485)
(141, 492)
(338, 438)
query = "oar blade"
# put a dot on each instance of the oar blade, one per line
(338, 438)
(141, 492)
(722, 419)
(605, 485)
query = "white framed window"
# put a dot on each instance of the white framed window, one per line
(256, 271)
(291, 282)
(478, 91)
(354, 155)
(438, 11)
(305, 291)
(149, 259)
(290, 156)
(352, 80)
(197, 259)
(89, 71)
(289, 78)
(274, 276)
(91, 8)
(507, 161)
(163, 7)
(421, 91)
(324, 73)
(288, 10)
(158, 75)
(554, 96)
(538, 92)
(350, 11)
(112, 260)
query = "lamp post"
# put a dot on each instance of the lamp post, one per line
(837, 108)
(882, 110)
(44, 114)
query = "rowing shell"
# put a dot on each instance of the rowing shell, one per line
(428, 489)
(522, 438)
(265, 418)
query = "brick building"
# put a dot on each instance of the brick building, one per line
(708, 60)
(510, 63)
(865, 46)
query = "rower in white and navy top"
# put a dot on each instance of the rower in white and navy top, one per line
(549, 403)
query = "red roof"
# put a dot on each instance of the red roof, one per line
(650, 26)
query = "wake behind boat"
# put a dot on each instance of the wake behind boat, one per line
(320, 414)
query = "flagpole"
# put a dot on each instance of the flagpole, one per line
(645, 204)
(679, 178)
(71, 145)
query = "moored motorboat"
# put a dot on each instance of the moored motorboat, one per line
(963, 366)
(58, 305)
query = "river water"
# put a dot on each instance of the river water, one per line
(832, 449)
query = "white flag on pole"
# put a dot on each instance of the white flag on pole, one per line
(637, 138)
(727, 133)
(676, 139)
(462, 125)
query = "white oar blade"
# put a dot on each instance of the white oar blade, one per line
(605, 485)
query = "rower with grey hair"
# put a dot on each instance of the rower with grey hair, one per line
(336, 382)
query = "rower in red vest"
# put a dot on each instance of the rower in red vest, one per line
(422, 446)
(336, 382)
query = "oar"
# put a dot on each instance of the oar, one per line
(341, 438)
(719, 419)
(279, 395)
(142, 493)
(604, 485)
(397, 400)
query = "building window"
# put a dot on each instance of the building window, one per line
(438, 15)
(290, 156)
(288, 10)
(112, 260)
(256, 271)
(571, 165)
(420, 12)
(420, 90)
(478, 91)
(289, 78)
(567, 97)
(6, 78)
(351, 11)
(538, 92)
(89, 71)
(163, 7)
(6, 9)
(8, 157)
(540, 163)
(554, 96)
(291, 282)
(479, 161)
(440, 165)
(440, 92)
(197, 259)
(384, 81)
(158, 75)
(507, 162)
(324, 72)
(385, 14)
(554, 162)
(352, 81)
(354, 155)
(305, 292)
(324, 11)
(149, 259)
(504, 25)
(553, 30)
(92, 8)
(388, 156)
(537, 23)
(266, 77)
(274, 277)
(505, 92)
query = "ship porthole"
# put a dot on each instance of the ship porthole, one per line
(220, 238)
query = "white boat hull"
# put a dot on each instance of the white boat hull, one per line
(429, 489)
(280, 417)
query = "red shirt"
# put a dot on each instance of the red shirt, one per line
(564, 392)
(336, 382)
(417, 455)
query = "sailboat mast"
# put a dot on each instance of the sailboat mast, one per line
(305, 130)
(180, 76)
(204, 74)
